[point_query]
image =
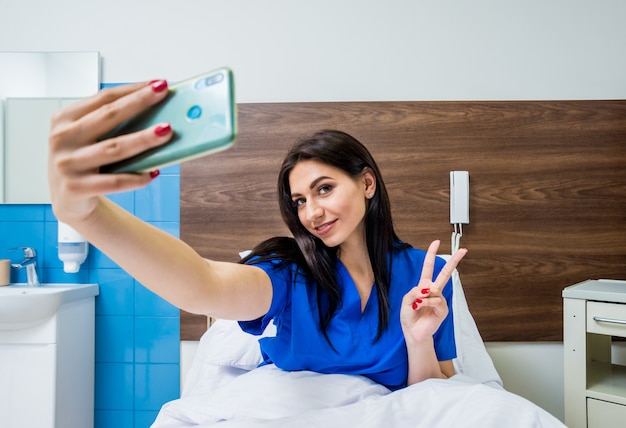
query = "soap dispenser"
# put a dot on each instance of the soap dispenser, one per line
(73, 248)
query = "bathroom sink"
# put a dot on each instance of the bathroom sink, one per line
(23, 306)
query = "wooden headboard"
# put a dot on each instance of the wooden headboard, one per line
(547, 194)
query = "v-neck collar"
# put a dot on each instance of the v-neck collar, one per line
(351, 294)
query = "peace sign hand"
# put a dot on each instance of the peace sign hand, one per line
(424, 308)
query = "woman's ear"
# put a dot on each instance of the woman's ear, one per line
(369, 181)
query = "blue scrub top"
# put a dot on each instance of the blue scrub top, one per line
(299, 343)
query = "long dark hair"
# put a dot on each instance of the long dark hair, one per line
(318, 261)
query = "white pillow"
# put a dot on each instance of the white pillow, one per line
(226, 351)
(472, 358)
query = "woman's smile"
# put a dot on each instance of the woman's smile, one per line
(324, 228)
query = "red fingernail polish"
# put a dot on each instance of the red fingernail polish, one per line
(425, 290)
(414, 306)
(415, 303)
(158, 85)
(154, 174)
(163, 129)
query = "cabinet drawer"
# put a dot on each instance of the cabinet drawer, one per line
(602, 414)
(606, 318)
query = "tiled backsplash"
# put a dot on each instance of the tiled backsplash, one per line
(137, 332)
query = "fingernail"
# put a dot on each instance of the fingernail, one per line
(163, 129)
(425, 290)
(158, 85)
(154, 174)
(415, 303)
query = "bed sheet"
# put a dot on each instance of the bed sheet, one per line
(270, 397)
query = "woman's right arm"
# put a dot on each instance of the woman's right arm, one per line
(159, 261)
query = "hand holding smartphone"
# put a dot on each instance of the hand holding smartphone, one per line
(202, 113)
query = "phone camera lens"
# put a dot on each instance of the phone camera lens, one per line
(194, 113)
(215, 79)
(209, 81)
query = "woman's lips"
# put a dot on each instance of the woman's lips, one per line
(322, 229)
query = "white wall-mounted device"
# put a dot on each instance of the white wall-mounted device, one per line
(73, 248)
(459, 205)
(459, 197)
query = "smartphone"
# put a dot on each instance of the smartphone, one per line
(202, 113)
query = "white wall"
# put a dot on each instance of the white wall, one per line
(285, 50)
(356, 50)
(532, 370)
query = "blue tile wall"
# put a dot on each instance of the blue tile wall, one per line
(137, 367)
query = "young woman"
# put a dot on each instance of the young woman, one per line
(346, 294)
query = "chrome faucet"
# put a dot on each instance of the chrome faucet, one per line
(30, 263)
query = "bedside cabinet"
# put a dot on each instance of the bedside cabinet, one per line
(594, 312)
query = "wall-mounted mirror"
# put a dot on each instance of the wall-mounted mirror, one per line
(32, 86)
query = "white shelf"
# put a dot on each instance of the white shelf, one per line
(600, 290)
(594, 387)
(606, 382)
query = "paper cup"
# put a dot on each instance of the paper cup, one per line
(5, 272)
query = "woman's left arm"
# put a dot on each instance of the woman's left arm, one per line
(423, 310)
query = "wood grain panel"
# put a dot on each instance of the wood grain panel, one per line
(547, 194)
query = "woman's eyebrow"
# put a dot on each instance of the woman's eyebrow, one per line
(317, 180)
(312, 185)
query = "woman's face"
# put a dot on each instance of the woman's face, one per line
(331, 205)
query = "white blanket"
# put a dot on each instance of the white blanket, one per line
(270, 397)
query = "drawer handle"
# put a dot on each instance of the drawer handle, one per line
(609, 320)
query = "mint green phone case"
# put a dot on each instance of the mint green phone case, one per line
(202, 113)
